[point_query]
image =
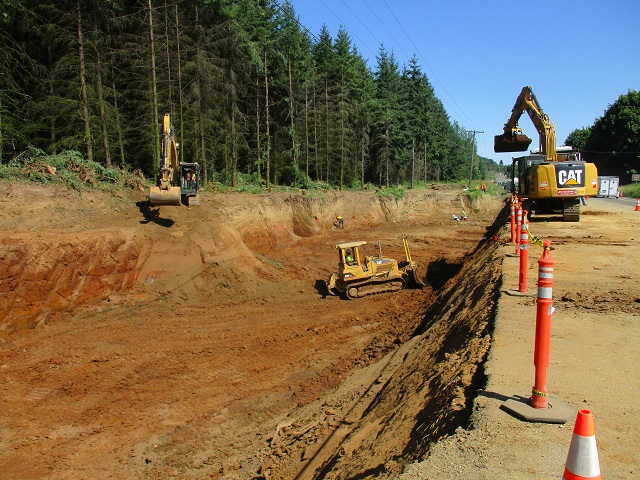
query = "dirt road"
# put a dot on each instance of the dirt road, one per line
(197, 342)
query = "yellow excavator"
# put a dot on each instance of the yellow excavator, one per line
(549, 181)
(178, 182)
(358, 276)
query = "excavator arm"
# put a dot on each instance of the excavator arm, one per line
(513, 140)
(169, 162)
(167, 192)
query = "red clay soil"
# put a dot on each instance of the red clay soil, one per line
(142, 342)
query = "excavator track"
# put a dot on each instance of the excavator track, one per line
(571, 210)
(374, 286)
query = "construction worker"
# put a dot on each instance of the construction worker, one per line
(340, 221)
(349, 258)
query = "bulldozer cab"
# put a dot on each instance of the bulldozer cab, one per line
(350, 259)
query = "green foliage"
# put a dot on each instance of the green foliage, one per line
(328, 120)
(475, 194)
(67, 168)
(578, 138)
(614, 140)
(631, 190)
(398, 192)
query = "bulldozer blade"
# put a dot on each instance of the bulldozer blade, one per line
(419, 275)
(331, 284)
(158, 196)
(510, 143)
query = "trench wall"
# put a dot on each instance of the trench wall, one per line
(431, 392)
(78, 248)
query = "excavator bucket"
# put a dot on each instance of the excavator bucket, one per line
(511, 143)
(170, 196)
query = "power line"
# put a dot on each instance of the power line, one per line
(425, 62)
(346, 63)
(344, 25)
(451, 109)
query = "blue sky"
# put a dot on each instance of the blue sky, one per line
(577, 55)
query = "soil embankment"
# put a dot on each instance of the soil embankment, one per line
(197, 342)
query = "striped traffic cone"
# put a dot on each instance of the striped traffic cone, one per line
(582, 460)
(638, 205)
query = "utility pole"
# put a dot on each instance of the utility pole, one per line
(473, 146)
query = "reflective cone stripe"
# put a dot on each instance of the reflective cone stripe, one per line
(524, 256)
(518, 227)
(582, 460)
(512, 214)
(545, 273)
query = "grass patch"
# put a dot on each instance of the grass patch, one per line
(632, 190)
(398, 192)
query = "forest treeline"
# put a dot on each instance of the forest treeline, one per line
(254, 96)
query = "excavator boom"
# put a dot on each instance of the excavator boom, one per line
(513, 140)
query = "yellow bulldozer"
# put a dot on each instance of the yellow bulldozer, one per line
(359, 275)
(552, 180)
(178, 182)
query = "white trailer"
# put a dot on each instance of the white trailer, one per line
(608, 187)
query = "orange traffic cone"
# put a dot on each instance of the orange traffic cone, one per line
(638, 205)
(582, 460)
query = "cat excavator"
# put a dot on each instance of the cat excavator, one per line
(178, 182)
(549, 181)
(360, 275)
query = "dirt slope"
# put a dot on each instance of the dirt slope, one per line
(146, 343)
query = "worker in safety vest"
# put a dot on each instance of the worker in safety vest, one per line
(349, 258)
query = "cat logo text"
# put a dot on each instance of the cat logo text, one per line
(570, 176)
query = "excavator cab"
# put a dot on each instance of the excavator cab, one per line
(189, 183)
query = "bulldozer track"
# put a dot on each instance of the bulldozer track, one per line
(373, 287)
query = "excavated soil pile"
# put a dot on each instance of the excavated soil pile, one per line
(140, 342)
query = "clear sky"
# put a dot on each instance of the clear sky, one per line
(578, 56)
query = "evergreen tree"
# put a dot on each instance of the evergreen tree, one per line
(387, 111)
(247, 88)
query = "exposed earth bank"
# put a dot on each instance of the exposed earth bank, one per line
(198, 342)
